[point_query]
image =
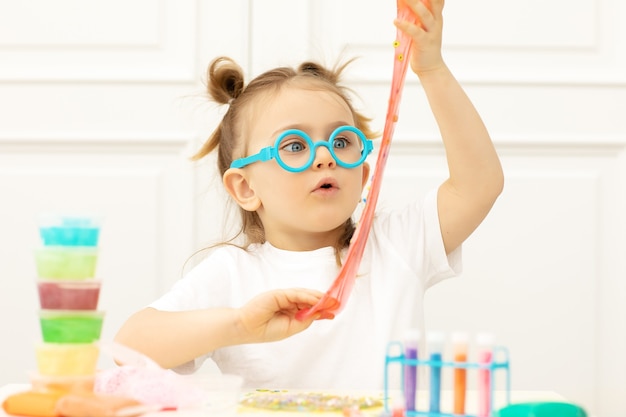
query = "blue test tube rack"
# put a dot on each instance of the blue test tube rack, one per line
(500, 361)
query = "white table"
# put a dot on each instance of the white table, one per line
(422, 397)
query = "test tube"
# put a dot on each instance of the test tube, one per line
(411, 341)
(484, 344)
(435, 341)
(459, 348)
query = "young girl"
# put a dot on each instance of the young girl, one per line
(291, 151)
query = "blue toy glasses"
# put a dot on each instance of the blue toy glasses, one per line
(294, 150)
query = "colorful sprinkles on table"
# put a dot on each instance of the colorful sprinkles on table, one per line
(284, 400)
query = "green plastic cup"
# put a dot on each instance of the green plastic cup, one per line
(71, 326)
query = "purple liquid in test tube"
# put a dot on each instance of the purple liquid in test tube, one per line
(410, 371)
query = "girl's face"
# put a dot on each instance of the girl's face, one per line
(304, 210)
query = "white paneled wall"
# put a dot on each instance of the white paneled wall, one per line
(108, 41)
(101, 105)
(99, 111)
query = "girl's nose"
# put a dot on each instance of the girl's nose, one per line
(323, 158)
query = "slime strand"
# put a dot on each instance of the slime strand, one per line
(337, 295)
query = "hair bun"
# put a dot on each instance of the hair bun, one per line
(225, 80)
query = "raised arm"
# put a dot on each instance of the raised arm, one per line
(475, 174)
(174, 338)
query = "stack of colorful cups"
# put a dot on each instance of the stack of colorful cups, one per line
(68, 294)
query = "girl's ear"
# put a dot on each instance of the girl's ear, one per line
(237, 185)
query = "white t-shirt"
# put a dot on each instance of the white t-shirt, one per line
(404, 256)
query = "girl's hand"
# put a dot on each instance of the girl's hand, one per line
(271, 316)
(426, 34)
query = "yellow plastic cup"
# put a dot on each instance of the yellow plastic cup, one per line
(67, 359)
(66, 262)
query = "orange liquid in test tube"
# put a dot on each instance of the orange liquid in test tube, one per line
(459, 342)
(460, 382)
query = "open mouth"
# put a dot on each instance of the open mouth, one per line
(326, 184)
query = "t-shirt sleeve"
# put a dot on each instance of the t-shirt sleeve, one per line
(415, 233)
(194, 291)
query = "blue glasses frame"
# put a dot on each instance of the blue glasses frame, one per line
(271, 152)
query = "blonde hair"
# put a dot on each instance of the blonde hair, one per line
(225, 85)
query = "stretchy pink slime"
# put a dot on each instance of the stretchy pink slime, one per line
(335, 298)
(140, 378)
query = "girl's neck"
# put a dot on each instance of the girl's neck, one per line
(303, 242)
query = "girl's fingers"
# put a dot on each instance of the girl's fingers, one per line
(427, 11)
(408, 28)
(297, 298)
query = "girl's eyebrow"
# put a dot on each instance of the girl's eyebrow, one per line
(306, 128)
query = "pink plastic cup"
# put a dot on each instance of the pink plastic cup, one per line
(69, 294)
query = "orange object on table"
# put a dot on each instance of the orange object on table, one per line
(55, 403)
(95, 405)
(33, 403)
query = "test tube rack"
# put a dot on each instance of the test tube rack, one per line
(499, 362)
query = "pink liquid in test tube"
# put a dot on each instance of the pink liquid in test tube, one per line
(484, 342)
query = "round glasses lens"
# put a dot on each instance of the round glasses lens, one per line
(347, 146)
(294, 150)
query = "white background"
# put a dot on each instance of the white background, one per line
(102, 102)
